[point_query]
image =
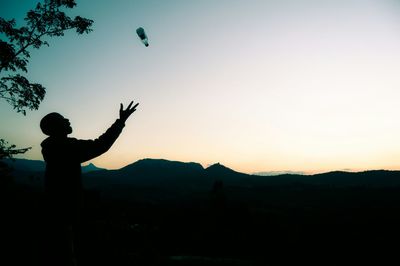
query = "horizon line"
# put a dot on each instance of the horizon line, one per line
(258, 173)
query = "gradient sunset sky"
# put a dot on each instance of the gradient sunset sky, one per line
(280, 85)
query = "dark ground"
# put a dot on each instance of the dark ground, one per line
(287, 225)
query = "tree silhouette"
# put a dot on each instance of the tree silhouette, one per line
(46, 20)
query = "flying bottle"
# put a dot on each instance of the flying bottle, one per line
(142, 35)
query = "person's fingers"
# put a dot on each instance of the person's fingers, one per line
(129, 106)
(121, 107)
(133, 109)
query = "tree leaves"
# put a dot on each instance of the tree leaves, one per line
(45, 20)
(7, 151)
(20, 93)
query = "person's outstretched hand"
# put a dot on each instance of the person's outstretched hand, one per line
(124, 114)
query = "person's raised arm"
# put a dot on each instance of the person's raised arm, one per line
(89, 149)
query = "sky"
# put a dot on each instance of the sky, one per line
(259, 86)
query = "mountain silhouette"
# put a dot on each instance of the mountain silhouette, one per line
(90, 167)
(217, 169)
(149, 173)
(152, 181)
(168, 169)
(228, 176)
(165, 173)
(31, 172)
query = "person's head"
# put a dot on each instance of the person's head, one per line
(54, 124)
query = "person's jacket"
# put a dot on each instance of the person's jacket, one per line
(63, 157)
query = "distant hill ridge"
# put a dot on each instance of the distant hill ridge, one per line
(31, 172)
(39, 165)
(161, 164)
(164, 173)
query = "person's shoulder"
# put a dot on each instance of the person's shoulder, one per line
(56, 140)
(52, 141)
(72, 140)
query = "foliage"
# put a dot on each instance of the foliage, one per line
(46, 20)
(20, 93)
(7, 151)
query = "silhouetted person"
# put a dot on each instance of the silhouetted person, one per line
(63, 183)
